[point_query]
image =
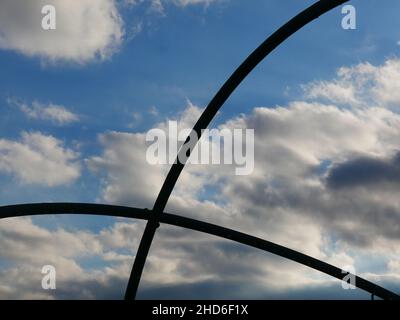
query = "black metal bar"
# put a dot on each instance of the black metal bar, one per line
(283, 33)
(188, 223)
(48, 208)
(276, 249)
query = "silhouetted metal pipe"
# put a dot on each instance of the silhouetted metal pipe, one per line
(284, 32)
(208, 228)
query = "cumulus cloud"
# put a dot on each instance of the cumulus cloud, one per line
(193, 2)
(304, 154)
(365, 171)
(176, 266)
(124, 166)
(86, 30)
(30, 247)
(159, 5)
(361, 85)
(39, 159)
(52, 112)
(176, 261)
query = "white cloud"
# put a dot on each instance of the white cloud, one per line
(194, 2)
(175, 261)
(124, 166)
(170, 263)
(361, 85)
(39, 159)
(159, 5)
(86, 29)
(153, 111)
(52, 112)
(30, 247)
(333, 91)
(292, 147)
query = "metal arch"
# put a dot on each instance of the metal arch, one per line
(188, 223)
(278, 37)
(155, 216)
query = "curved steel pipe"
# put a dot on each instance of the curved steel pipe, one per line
(279, 36)
(192, 224)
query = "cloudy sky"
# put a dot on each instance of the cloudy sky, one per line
(76, 103)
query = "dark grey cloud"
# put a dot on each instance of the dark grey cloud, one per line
(364, 171)
(112, 289)
(241, 290)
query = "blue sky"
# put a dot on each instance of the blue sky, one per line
(167, 64)
(187, 54)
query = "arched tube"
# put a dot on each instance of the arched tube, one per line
(278, 37)
(192, 224)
